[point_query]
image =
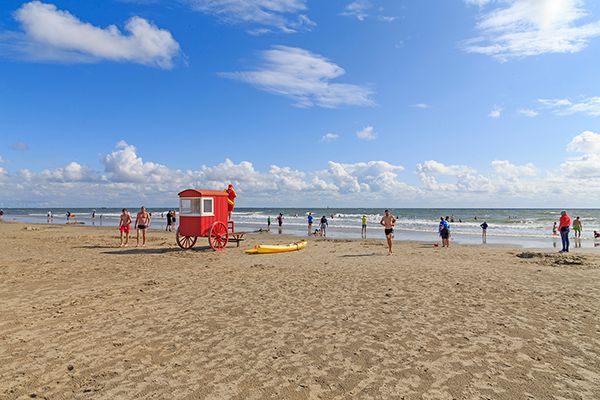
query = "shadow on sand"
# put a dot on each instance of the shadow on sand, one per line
(143, 250)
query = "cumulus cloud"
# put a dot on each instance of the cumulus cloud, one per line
(50, 34)
(496, 112)
(436, 167)
(282, 15)
(367, 133)
(505, 167)
(304, 77)
(586, 142)
(588, 106)
(127, 178)
(330, 137)
(521, 28)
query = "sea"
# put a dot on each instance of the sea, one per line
(530, 228)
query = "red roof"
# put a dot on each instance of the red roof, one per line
(201, 193)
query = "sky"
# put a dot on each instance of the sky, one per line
(305, 103)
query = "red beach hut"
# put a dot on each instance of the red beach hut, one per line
(203, 213)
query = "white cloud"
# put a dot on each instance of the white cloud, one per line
(330, 137)
(588, 106)
(496, 112)
(126, 178)
(527, 112)
(358, 9)
(422, 106)
(367, 133)
(304, 77)
(363, 9)
(586, 142)
(520, 28)
(283, 15)
(50, 34)
(505, 167)
(479, 3)
(124, 165)
(2, 160)
(435, 167)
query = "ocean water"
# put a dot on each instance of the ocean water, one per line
(523, 227)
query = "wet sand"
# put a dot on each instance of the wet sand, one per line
(82, 318)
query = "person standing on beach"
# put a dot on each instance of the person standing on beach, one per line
(310, 222)
(363, 231)
(564, 228)
(269, 223)
(324, 225)
(169, 222)
(388, 221)
(231, 195)
(280, 219)
(142, 222)
(577, 227)
(125, 226)
(554, 229)
(444, 231)
(484, 227)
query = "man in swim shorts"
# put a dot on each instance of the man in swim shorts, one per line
(388, 221)
(125, 226)
(142, 222)
(363, 231)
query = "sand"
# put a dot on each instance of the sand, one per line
(83, 319)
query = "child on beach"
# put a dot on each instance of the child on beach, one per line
(125, 226)
(577, 227)
(554, 229)
(444, 231)
(363, 232)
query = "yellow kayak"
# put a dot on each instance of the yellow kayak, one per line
(269, 249)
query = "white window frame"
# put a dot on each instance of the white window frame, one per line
(212, 202)
(202, 212)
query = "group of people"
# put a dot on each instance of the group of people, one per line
(143, 220)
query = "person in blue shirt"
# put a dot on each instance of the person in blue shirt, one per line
(310, 222)
(444, 231)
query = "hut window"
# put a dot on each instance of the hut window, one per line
(190, 207)
(207, 206)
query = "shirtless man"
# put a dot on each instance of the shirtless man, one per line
(142, 222)
(388, 221)
(125, 226)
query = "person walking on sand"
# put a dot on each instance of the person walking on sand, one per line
(323, 226)
(564, 228)
(577, 227)
(444, 231)
(388, 221)
(484, 227)
(142, 222)
(310, 222)
(125, 226)
(363, 231)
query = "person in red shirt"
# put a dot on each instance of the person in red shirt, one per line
(564, 225)
(231, 195)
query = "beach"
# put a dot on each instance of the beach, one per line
(85, 319)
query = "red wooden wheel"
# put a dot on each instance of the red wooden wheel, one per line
(218, 236)
(185, 242)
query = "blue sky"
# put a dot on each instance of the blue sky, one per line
(348, 103)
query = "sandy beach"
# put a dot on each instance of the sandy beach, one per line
(82, 318)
